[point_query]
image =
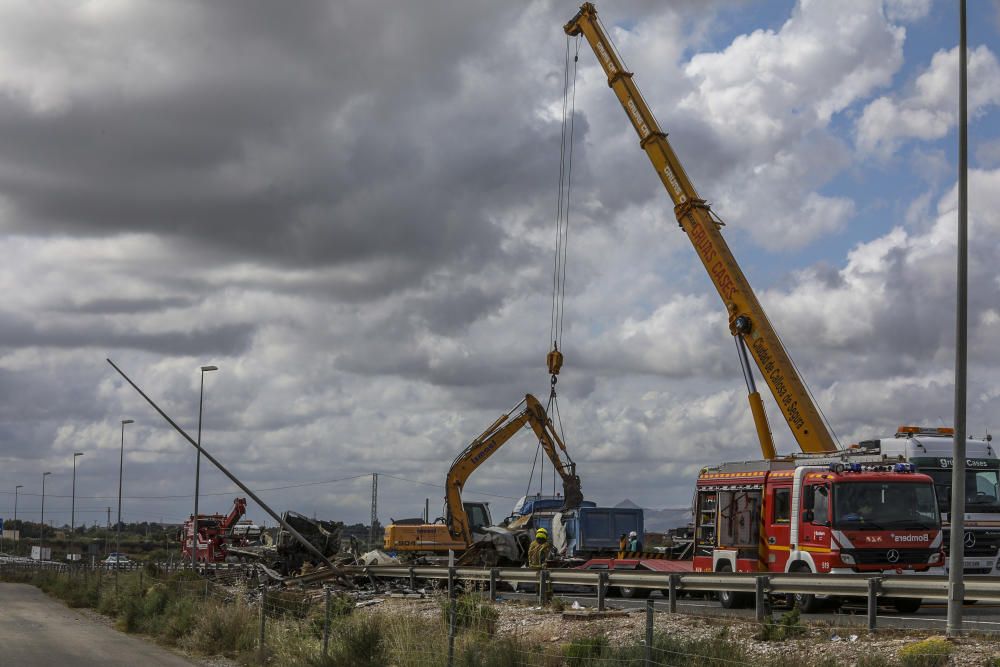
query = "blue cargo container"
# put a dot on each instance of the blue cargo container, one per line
(587, 531)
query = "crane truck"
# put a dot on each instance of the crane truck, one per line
(755, 337)
(464, 525)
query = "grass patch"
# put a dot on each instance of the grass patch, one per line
(927, 653)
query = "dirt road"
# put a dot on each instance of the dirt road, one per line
(38, 631)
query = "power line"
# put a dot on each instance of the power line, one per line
(190, 495)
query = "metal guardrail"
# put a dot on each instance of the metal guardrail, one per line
(18, 562)
(759, 586)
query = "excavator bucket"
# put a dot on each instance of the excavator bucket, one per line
(572, 493)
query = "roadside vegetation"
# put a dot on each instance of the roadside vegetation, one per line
(181, 610)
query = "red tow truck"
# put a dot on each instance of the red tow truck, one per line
(215, 532)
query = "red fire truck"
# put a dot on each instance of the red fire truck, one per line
(785, 515)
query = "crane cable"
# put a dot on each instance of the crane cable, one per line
(554, 359)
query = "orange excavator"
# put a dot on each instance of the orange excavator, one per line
(456, 531)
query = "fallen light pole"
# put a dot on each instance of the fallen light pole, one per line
(284, 524)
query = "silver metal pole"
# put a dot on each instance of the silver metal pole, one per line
(197, 469)
(72, 515)
(956, 551)
(19, 486)
(72, 511)
(121, 472)
(41, 554)
(253, 496)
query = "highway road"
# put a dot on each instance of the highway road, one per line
(39, 631)
(983, 618)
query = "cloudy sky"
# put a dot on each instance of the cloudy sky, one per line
(349, 207)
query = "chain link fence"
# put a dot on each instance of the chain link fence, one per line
(227, 611)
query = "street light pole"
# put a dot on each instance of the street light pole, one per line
(956, 550)
(121, 471)
(72, 515)
(19, 486)
(197, 469)
(41, 553)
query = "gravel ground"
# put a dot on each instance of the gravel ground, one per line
(820, 641)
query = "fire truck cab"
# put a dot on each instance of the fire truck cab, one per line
(784, 515)
(930, 450)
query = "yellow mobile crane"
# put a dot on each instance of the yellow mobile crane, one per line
(747, 321)
(455, 531)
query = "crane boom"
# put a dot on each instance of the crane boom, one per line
(747, 320)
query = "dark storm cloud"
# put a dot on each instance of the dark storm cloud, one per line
(287, 137)
(229, 339)
(117, 305)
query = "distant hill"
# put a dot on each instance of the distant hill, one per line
(660, 521)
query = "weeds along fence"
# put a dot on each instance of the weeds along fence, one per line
(457, 624)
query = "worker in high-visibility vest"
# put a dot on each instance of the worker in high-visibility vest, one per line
(539, 550)
(538, 553)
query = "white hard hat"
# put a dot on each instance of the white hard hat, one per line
(633, 534)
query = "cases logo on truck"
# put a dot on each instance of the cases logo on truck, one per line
(970, 463)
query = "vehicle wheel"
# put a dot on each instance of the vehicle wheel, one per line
(634, 593)
(807, 602)
(907, 605)
(729, 599)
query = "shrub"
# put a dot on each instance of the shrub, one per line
(340, 605)
(358, 641)
(927, 653)
(787, 627)
(225, 629)
(585, 650)
(472, 613)
(506, 652)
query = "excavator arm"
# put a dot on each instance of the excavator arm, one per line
(747, 320)
(488, 442)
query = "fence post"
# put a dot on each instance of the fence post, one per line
(760, 597)
(543, 586)
(326, 621)
(260, 632)
(413, 580)
(493, 584)
(649, 633)
(451, 616)
(206, 589)
(672, 593)
(602, 589)
(140, 580)
(873, 586)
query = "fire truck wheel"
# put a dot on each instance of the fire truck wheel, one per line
(907, 605)
(729, 599)
(634, 593)
(806, 602)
